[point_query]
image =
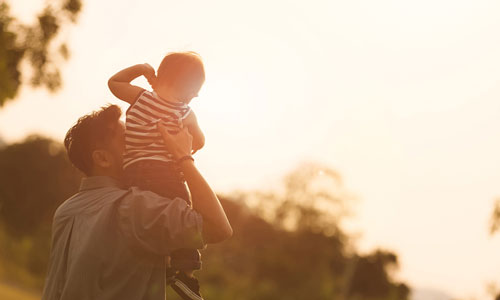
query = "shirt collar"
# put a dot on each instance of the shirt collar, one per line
(171, 102)
(95, 182)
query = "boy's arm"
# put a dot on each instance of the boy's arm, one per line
(119, 84)
(194, 129)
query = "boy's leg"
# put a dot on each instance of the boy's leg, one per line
(185, 284)
(186, 259)
(186, 287)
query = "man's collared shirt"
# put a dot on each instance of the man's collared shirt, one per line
(111, 243)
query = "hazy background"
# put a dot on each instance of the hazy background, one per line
(400, 97)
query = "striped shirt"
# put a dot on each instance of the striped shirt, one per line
(142, 139)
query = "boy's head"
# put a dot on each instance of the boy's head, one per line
(95, 143)
(180, 75)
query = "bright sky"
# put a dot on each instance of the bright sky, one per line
(401, 97)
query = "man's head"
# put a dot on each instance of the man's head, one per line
(95, 143)
(181, 75)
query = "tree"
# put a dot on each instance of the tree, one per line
(290, 245)
(301, 254)
(495, 226)
(495, 218)
(35, 177)
(35, 44)
(370, 279)
(313, 198)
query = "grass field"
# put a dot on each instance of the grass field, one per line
(8, 292)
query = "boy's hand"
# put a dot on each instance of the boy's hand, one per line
(149, 73)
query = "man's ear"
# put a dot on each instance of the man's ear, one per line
(101, 158)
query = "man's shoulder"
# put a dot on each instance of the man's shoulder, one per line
(139, 201)
(89, 200)
(158, 224)
(139, 194)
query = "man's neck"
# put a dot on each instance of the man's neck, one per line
(106, 173)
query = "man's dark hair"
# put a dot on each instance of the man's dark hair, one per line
(91, 132)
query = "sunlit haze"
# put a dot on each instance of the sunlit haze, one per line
(400, 97)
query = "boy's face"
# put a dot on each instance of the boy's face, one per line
(190, 92)
(180, 91)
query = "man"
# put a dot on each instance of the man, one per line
(109, 242)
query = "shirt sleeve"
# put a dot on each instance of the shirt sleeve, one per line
(159, 225)
(139, 95)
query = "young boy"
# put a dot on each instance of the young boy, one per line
(146, 162)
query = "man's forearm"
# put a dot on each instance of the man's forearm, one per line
(216, 226)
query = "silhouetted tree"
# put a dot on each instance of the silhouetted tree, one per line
(371, 280)
(495, 218)
(35, 177)
(495, 225)
(35, 44)
(313, 198)
(290, 245)
(301, 254)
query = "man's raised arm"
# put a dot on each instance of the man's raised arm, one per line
(216, 227)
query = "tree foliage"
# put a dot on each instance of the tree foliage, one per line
(495, 218)
(286, 245)
(36, 44)
(35, 177)
(290, 245)
(495, 227)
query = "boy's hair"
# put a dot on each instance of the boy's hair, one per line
(183, 68)
(91, 132)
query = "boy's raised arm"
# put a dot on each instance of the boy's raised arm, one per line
(119, 84)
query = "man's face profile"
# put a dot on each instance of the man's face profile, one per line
(116, 146)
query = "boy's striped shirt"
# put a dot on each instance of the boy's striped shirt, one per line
(142, 139)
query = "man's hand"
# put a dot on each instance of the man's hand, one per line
(149, 73)
(179, 144)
